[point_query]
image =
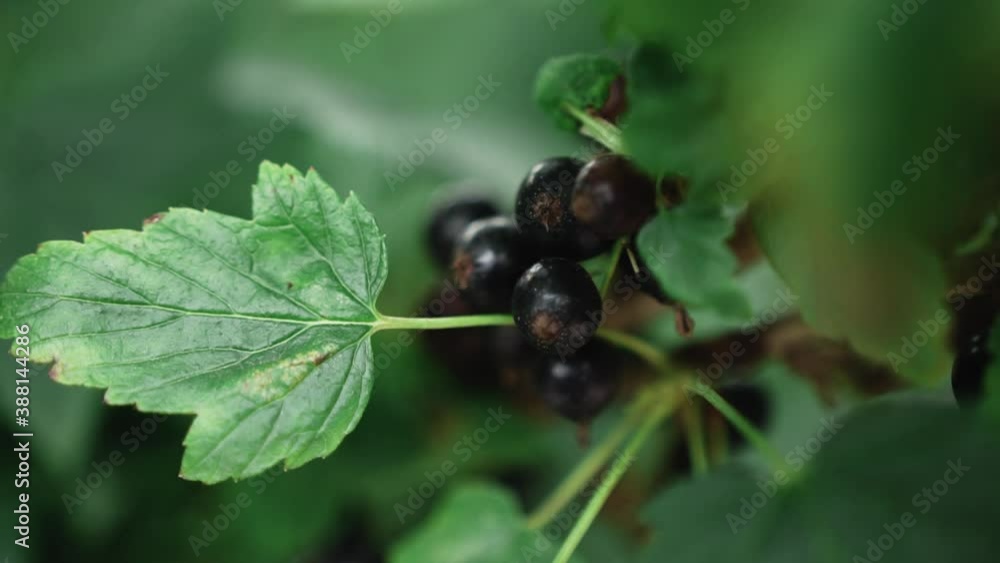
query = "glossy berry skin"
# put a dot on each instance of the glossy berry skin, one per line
(489, 258)
(612, 197)
(542, 211)
(542, 206)
(450, 220)
(464, 353)
(556, 306)
(581, 386)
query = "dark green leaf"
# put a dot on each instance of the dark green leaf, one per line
(581, 81)
(849, 487)
(476, 523)
(686, 250)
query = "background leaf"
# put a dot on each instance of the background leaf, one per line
(686, 250)
(847, 489)
(477, 523)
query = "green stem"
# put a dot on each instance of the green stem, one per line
(637, 346)
(598, 129)
(585, 471)
(616, 253)
(615, 473)
(744, 426)
(695, 438)
(440, 323)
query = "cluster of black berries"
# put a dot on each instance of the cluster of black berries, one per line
(566, 211)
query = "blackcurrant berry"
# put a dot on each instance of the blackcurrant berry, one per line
(542, 206)
(490, 256)
(612, 197)
(464, 353)
(450, 220)
(556, 306)
(542, 211)
(578, 387)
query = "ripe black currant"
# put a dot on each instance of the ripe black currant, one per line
(542, 206)
(542, 211)
(579, 387)
(612, 197)
(450, 220)
(556, 306)
(490, 256)
(463, 352)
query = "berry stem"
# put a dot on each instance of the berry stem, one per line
(654, 416)
(695, 438)
(636, 345)
(744, 426)
(616, 253)
(598, 129)
(585, 470)
(441, 323)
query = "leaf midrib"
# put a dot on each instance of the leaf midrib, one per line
(200, 313)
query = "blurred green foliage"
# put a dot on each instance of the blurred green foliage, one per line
(354, 122)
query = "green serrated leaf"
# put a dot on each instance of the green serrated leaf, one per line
(686, 250)
(764, 289)
(475, 523)
(580, 81)
(261, 328)
(849, 487)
